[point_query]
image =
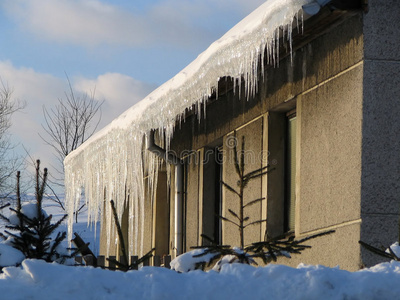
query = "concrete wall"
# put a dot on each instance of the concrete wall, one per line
(329, 166)
(381, 128)
(347, 136)
(325, 81)
(330, 152)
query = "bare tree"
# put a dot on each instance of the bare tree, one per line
(9, 162)
(69, 124)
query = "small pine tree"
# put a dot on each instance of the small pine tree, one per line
(267, 250)
(240, 219)
(30, 228)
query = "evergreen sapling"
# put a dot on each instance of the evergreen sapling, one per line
(30, 229)
(268, 250)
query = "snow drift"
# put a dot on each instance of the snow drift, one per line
(40, 280)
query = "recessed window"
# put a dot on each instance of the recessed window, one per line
(290, 195)
(281, 179)
(212, 194)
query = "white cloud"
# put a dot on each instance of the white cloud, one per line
(38, 89)
(92, 23)
(118, 91)
(178, 23)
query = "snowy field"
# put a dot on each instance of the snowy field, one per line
(39, 280)
(36, 279)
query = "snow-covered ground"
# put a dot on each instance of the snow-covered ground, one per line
(36, 279)
(39, 280)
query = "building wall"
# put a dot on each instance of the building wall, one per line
(329, 173)
(324, 82)
(381, 129)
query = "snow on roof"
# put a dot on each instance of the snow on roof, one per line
(235, 54)
(108, 162)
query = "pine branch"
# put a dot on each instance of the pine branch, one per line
(234, 214)
(4, 206)
(231, 189)
(256, 222)
(4, 218)
(316, 235)
(227, 220)
(250, 174)
(257, 175)
(19, 205)
(376, 250)
(18, 191)
(145, 257)
(253, 202)
(51, 228)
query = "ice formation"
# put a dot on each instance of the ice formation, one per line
(110, 165)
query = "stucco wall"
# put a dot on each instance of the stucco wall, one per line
(329, 160)
(330, 152)
(325, 78)
(381, 128)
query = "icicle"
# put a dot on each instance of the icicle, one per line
(114, 155)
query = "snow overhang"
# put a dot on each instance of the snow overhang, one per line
(235, 55)
(114, 155)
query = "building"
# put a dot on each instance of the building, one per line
(316, 101)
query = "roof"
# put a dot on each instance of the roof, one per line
(112, 159)
(234, 55)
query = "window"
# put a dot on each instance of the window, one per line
(281, 180)
(212, 194)
(218, 196)
(290, 197)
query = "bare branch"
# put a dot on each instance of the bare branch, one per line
(70, 123)
(9, 162)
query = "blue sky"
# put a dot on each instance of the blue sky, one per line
(120, 49)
